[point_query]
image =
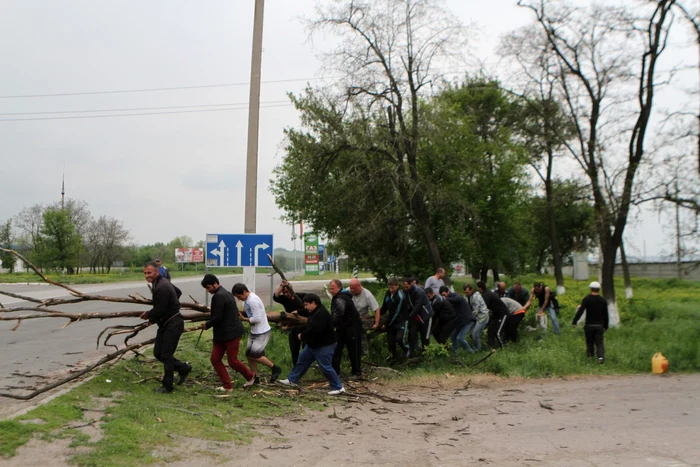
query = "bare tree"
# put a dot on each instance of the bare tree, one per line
(390, 52)
(601, 50)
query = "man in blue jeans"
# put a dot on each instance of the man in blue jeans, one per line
(319, 337)
(481, 314)
(547, 301)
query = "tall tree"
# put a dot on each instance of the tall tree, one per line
(596, 49)
(59, 240)
(388, 53)
(8, 260)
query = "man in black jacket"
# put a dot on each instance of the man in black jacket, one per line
(444, 316)
(464, 320)
(228, 330)
(166, 314)
(292, 303)
(420, 316)
(319, 337)
(499, 312)
(394, 312)
(597, 320)
(348, 327)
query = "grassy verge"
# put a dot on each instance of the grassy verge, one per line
(662, 317)
(139, 426)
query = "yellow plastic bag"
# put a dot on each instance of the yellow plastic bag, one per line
(659, 363)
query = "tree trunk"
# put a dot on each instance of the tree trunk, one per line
(607, 269)
(483, 276)
(629, 293)
(553, 239)
(540, 262)
(496, 277)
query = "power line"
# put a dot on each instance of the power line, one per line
(132, 109)
(175, 88)
(133, 114)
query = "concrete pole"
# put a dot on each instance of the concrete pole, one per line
(251, 180)
(251, 185)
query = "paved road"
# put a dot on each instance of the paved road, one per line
(44, 346)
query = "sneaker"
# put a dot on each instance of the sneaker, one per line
(163, 390)
(250, 382)
(337, 392)
(601, 360)
(276, 372)
(286, 382)
(223, 389)
(184, 374)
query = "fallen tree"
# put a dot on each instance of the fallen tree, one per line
(46, 308)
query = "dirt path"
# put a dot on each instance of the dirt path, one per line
(629, 421)
(626, 421)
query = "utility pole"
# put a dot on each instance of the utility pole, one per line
(251, 181)
(63, 191)
(251, 174)
(679, 251)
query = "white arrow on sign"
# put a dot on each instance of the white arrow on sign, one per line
(239, 249)
(261, 246)
(219, 252)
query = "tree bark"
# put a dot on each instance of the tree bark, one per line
(629, 293)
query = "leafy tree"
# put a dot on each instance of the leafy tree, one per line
(58, 241)
(368, 135)
(8, 260)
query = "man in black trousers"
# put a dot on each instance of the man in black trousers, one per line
(597, 320)
(166, 314)
(292, 303)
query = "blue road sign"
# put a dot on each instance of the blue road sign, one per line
(239, 250)
(331, 259)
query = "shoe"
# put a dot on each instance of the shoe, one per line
(184, 374)
(286, 382)
(223, 389)
(251, 382)
(276, 372)
(163, 390)
(337, 392)
(601, 360)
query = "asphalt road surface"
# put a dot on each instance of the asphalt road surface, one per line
(44, 347)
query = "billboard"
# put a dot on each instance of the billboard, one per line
(189, 255)
(311, 254)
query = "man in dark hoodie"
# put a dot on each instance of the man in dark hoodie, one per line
(319, 337)
(228, 330)
(444, 316)
(348, 327)
(419, 316)
(292, 304)
(499, 312)
(166, 314)
(597, 321)
(394, 312)
(464, 318)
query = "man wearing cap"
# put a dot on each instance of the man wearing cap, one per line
(597, 320)
(164, 272)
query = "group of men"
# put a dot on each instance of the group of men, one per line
(409, 314)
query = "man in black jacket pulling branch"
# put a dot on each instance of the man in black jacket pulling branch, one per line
(319, 337)
(166, 314)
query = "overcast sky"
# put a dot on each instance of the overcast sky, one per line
(170, 174)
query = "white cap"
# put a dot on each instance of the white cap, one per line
(594, 285)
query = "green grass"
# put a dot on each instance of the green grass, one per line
(141, 421)
(663, 316)
(328, 276)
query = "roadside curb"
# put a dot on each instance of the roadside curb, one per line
(24, 283)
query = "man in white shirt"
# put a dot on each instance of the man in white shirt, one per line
(259, 332)
(364, 302)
